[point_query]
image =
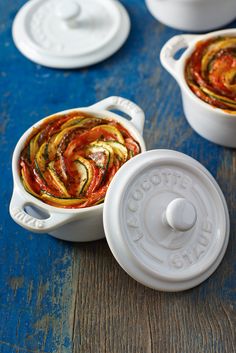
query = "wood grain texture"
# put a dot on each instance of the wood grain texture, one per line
(116, 314)
(57, 297)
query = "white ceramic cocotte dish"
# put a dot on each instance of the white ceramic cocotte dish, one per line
(212, 123)
(193, 15)
(70, 224)
(164, 216)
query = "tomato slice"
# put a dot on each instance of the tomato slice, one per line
(132, 145)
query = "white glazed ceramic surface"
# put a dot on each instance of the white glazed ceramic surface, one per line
(169, 224)
(70, 33)
(70, 224)
(210, 122)
(193, 15)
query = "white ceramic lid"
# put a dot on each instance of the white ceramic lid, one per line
(166, 220)
(70, 33)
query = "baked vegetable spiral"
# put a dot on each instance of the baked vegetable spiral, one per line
(211, 72)
(70, 160)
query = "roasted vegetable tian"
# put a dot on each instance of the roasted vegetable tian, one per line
(211, 72)
(70, 160)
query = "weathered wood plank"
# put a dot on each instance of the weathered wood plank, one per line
(57, 297)
(116, 314)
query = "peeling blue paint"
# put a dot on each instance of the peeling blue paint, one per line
(36, 271)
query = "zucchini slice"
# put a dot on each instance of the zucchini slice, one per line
(119, 149)
(99, 201)
(57, 183)
(213, 49)
(230, 79)
(26, 183)
(41, 158)
(81, 121)
(62, 201)
(223, 99)
(33, 147)
(56, 140)
(85, 173)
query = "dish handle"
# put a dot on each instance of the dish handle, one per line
(49, 221)
(125, 106)
(171, 47)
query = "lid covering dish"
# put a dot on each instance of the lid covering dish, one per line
(70, 33)
(166, 220)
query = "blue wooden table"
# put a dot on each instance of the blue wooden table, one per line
(58, 297)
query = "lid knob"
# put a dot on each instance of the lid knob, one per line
(180, 215)
(68, 11)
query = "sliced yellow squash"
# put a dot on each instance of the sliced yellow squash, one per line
(58, 184)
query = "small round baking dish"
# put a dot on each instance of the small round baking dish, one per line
(214, 124)
(84, 224)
